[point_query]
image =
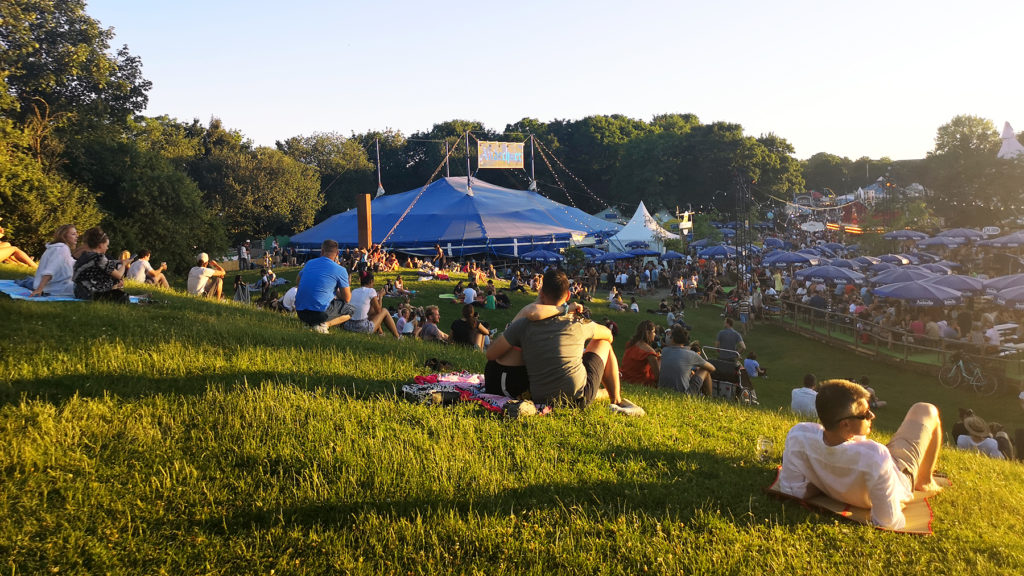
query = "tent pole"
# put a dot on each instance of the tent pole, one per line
(533, 177)
(380, 186)
(469, 183)
(447, 165)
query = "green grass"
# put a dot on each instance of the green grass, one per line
(212, 438)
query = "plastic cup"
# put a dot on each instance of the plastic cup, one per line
(764, 448)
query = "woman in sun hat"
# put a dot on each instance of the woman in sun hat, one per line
(978, 437)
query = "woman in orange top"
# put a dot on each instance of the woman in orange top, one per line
(641, 364)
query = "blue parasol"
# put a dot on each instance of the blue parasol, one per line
(966, 285)
(542, 256)
(920, 294)
(830, 275)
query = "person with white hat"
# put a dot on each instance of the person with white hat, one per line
(206, 278)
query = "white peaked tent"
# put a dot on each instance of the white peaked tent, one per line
(1011, 148)
(641, 227)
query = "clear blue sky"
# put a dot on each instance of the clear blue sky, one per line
(867, 78)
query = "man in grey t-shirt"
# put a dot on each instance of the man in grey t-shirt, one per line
(729, 342)
(559, 361)
(682, 369)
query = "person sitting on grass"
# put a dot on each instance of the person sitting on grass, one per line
(802, 399)
(369, 314)
(837, 458)
(641, 363)
(973, 433)
(558, 364)
(96, 277)
(753, 367)
(53, 277)
(683, 369)
(468, 330)
(206, 278)
(322, 290)
(143, 272)
(429, 331)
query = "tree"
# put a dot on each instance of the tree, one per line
(57, 54)
(775, 170)
(259, 192)
(966, 135)
(149, 203)
(824, 170)
(35, 201)
(961, 168)
(342, 163)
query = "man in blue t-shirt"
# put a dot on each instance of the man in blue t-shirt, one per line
(323, 290)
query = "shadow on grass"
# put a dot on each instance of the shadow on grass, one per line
(60, 388)
(689, 484)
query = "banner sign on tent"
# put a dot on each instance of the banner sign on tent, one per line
(500, 154)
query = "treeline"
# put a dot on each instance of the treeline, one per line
(75, 148)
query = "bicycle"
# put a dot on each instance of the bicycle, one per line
(958, 369)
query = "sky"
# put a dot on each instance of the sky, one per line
(867, 78)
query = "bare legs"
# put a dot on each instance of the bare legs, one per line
(385, 319)
(610, 377)
(923, 429)
(14, 255)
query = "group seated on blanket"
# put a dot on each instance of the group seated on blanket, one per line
(549, 339)
(396, 289)
(837, 458)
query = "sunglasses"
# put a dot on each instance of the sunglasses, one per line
(866, 416)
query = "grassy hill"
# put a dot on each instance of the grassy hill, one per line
(213, 438)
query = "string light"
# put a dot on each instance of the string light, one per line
(569, 172)
(417, 198)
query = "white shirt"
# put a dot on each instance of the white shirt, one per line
(198, 276)
(288, 300)
(58, 264)
(138, 270)
(634, 307)
(988, 446)
(360, 300)
(468, 296)
(802, 402)
(859, 472)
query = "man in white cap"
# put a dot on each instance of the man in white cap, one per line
(206, 278)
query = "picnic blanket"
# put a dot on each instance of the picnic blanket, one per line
(465, 386)
(16, 292)
(918, 512)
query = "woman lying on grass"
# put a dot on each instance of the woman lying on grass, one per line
(12, 254)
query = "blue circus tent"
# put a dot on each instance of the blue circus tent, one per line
(487, 220)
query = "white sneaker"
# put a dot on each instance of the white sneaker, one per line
(320, 329)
